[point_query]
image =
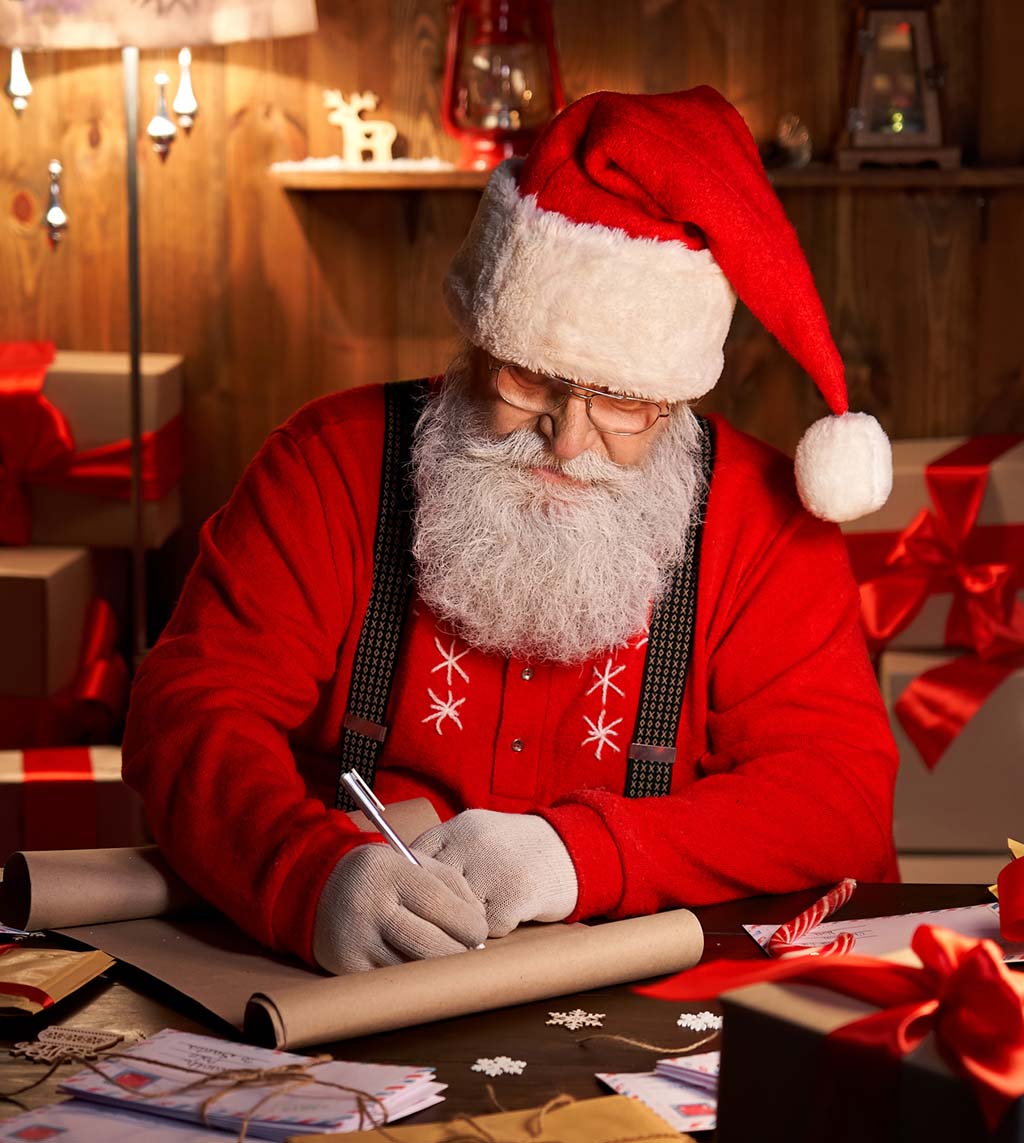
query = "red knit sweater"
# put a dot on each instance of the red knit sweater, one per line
(785, 765)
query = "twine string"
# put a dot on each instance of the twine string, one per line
(672, 1051)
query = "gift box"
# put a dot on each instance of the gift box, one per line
(942, 563)
(68, 798)
(44, 603)
(785, 1079)
(972, 798)
(65, 424)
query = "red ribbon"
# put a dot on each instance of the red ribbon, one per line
(36, 447)
(28, 991)
(943, 550)
(963, 993)
(1011, 900)
(87, 709)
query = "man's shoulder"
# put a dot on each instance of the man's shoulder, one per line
(747, 468)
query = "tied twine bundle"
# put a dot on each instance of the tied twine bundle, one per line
(284, 1077)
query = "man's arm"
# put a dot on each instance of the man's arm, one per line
(797, 785)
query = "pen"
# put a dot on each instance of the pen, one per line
(373, 807)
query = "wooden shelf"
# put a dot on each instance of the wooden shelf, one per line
(815, 176)
(314, 180)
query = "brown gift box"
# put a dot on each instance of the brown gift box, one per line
(1003, 504)
(92, 390)
(66, 798)
(974, 797)
(44, 601)
(782, 1081)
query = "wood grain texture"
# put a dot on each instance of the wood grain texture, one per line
(275, 297)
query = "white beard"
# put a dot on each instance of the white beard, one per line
(536, 570)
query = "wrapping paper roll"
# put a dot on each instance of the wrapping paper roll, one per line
(531, 963)
(58, 889)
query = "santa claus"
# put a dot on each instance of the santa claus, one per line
(615, 643)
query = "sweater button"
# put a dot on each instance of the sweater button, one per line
(527, 673)
(517, 745)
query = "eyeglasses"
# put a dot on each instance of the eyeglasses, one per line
(539, 393)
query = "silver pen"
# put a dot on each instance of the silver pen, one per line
(373, 807)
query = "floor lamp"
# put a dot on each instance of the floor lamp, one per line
(51, 25)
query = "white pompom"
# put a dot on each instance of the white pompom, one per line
(844, 467)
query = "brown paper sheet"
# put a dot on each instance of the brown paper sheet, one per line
(57, 889)
(283, 1003)
(605, 1119)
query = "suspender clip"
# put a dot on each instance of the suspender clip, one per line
(641, 752)
(364, 727)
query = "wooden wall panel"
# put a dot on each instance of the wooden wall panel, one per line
(276, 298)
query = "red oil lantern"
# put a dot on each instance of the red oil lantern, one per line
(501, 79)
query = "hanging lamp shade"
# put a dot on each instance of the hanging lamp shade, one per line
(59, 24)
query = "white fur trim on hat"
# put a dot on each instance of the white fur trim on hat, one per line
(844, 467)
(586, 302)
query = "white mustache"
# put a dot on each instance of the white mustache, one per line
(525, 448)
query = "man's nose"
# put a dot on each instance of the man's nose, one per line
(568, 429)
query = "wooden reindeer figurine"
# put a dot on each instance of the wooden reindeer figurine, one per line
(360, 136)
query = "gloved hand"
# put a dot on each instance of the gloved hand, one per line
(377, 908)
(516, 864)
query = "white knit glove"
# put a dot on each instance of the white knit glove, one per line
(377, 908)
(515, 863)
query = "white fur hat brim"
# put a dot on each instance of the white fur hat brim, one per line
(585, 302)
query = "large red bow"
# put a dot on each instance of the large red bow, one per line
(933, 554)
(962, 992)
(36, 446)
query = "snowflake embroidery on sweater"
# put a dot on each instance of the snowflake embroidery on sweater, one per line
(450, 661)
(499, 1066)
(643, 638)
(604, 681)
(700, 1021)
(442, 709)
(577, 1018)
(601, 733)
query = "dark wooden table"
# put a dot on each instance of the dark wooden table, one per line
(557, 1061)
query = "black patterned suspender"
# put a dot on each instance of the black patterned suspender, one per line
(363, 730)
(652, 753)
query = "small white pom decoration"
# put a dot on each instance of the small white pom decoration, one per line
(844, 467)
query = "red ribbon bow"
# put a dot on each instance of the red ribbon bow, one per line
(932, 554)
(36, 446)
(962, 992)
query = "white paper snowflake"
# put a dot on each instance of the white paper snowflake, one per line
(700, 1021)
(577, 1018)
(499, 1066)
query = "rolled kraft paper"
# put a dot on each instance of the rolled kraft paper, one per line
(59, 889)
(531, 964)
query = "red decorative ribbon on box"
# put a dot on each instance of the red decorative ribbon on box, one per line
(87, 709)
(1011, 900)
(36, 447)
(963, 993)
(943, 550)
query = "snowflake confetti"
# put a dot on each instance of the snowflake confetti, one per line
(442, 709)
(499, 1066)
(700, 1021)
(577, 1018)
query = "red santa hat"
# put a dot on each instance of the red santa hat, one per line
(613, 254)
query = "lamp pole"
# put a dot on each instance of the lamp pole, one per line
(130, 61)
